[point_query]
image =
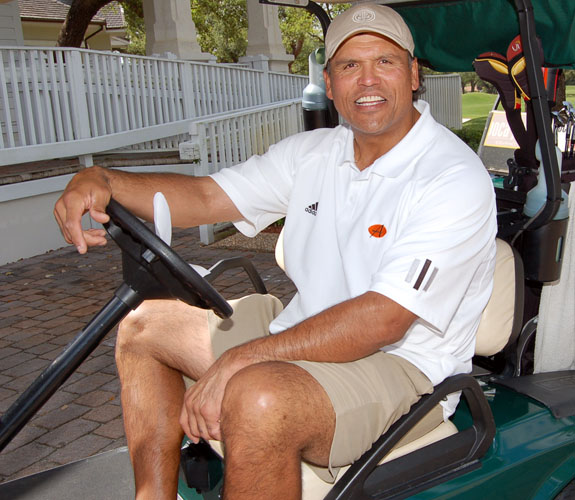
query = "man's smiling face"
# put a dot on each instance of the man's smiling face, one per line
(371, 80)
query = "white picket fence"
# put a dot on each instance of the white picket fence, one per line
(26, 222)
(61, 102)
(57, 96)
(225, 140)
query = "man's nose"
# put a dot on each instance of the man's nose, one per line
(368, 76)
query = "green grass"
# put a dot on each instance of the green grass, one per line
(570, 93)
(477, 104)
(475, 108)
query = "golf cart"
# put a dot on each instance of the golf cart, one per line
(514, 430)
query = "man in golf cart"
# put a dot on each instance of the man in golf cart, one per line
(390, 240)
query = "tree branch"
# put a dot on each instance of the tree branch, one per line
(77, 21)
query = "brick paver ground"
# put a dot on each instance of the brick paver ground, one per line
(44, 303)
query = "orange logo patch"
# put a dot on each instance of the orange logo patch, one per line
(377, 230)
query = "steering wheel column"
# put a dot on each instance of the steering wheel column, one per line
(151, 270)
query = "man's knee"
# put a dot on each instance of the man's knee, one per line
(254, 391)
(134, 328)
(255, 405)
(169, 332)
(275, 401)
(156, 323)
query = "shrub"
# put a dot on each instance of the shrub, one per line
(471, 132)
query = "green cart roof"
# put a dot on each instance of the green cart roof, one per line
(449, 34)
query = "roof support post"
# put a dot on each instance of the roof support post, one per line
(171, 29)
(264, 36)
(541, 114)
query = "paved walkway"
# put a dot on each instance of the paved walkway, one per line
(44, 303)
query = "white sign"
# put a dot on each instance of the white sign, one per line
(499, 134)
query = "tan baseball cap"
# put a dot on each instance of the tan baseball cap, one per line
(367, 18)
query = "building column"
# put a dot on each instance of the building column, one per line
(265, 38)
(171, 30)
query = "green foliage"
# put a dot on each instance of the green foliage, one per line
(222, 27)
(302, 33)
(470, 82)
(476, 107)
(472, 131)
(136, 30)
(334, 9)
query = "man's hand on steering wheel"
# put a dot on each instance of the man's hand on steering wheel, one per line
(151, 268)
(88, 191)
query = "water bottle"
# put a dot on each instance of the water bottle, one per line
(537, 196)
(542, 248)
(315, 103)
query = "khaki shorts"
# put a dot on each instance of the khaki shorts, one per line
(368, 395)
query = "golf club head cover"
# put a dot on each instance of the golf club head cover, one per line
(492, 67)
(525, 155)
(517, 66)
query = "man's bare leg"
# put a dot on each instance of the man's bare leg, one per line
(273, 415)
(156, 343)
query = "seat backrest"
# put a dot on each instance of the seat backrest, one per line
(279, 253)
(502, 317)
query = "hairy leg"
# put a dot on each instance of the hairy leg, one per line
(156, 344)
(273, 415)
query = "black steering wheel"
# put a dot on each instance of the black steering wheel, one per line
(153, 270)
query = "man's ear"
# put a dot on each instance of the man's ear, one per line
(327, 84)
(414, 74)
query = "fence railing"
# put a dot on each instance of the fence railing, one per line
(58, 95)
(223, 141)
(61, 102)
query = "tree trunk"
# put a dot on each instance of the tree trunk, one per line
(77, 21)
(296, 50)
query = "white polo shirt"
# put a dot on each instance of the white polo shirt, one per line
(418, 226)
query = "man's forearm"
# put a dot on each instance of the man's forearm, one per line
(348, 331)
(192, 200)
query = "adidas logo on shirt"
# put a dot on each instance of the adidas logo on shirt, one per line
(312, 209)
